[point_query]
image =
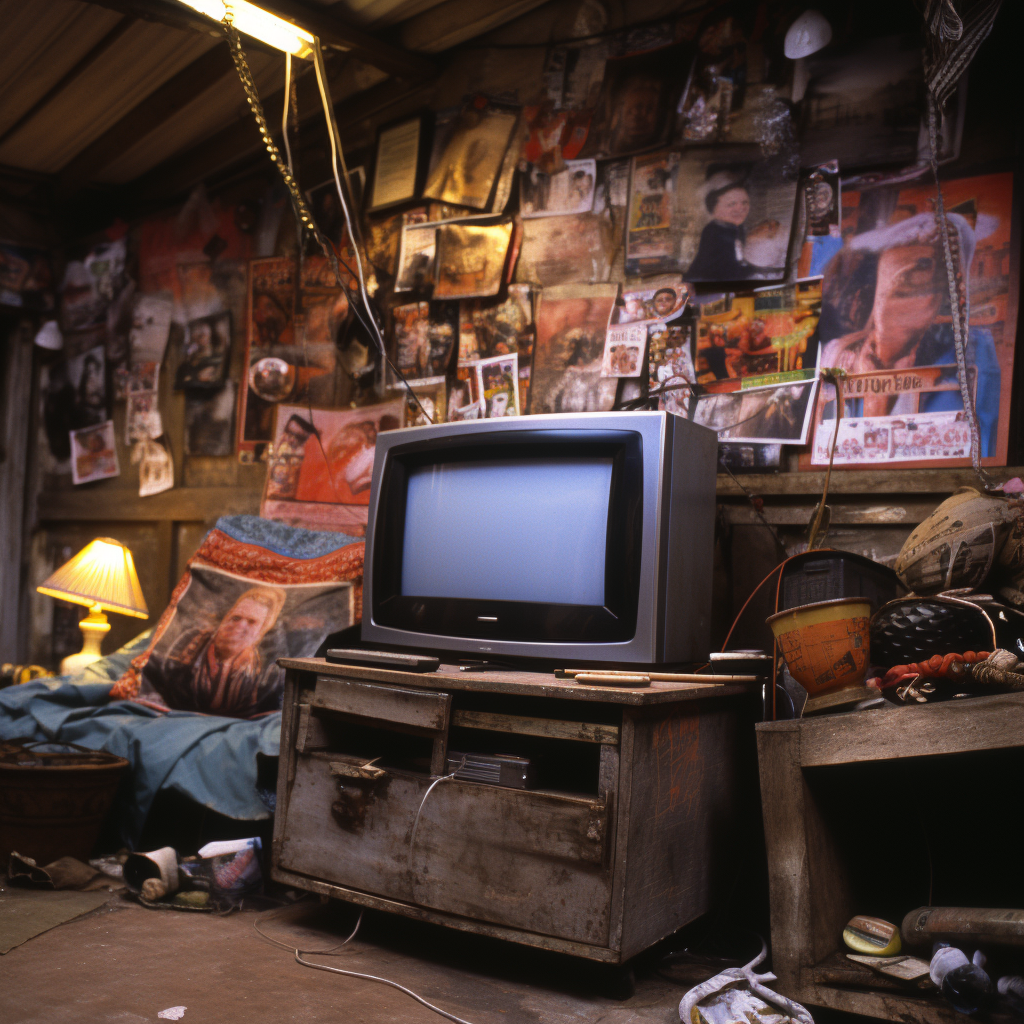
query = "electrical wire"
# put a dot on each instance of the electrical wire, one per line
(285, 108)
(298, 953)
(336, 153)
(419, 810)
(299, 206)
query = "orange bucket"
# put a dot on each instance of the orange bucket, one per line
(826, 644)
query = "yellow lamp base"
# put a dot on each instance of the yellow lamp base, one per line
(94, 628)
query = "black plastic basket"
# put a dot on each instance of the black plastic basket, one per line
(827, 575)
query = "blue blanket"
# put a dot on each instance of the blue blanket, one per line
(209, 759)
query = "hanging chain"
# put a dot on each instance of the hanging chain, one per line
(959, 300)
(302, 212)
(294, 192)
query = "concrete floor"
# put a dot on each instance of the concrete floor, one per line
(122, 964)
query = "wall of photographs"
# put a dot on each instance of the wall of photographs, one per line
(672, 216)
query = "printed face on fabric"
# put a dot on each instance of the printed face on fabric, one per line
(243, 626)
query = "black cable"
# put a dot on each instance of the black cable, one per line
(299, 207)
(635, 403)
(605, 34)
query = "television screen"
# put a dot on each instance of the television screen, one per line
(530, 529)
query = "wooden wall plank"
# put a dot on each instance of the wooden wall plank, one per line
(181, 504)
(843, 512)
(15, 399)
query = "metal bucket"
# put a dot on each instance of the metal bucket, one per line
(53, 804)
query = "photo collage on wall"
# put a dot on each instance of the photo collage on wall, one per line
(671, 216)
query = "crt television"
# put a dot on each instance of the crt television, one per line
(582, 538)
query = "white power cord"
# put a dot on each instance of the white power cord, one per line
(336, 153)
(419, 810)
(286, 107)
(349, 974)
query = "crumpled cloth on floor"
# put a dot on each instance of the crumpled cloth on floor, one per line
(63, 873)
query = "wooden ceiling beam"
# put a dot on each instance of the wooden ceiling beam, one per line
(454, 21)
(144, 118)
(322, 22)
(70, 75)
(241, 142)
(162, 12)
(334, 31)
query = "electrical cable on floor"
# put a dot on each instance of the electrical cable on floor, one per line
(298, 953)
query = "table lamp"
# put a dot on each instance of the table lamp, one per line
(102, 576)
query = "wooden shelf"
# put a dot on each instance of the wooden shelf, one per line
(811, 869)
(891, 480)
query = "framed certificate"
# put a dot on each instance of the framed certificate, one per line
(401, 162)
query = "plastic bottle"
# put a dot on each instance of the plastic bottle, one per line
(963, 982)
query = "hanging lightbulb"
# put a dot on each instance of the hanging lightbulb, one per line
(258, 23)
(808, 34)
(49, 336)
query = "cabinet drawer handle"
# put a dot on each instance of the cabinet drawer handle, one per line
(358, 771)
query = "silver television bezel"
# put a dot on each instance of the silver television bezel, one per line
(678, 458)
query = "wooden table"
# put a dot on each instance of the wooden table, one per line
(812, 877)
(614, 849)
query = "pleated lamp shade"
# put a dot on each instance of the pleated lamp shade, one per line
(102, 573)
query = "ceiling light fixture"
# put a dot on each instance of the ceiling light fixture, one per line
(258, 23)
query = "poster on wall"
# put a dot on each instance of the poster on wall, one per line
(885, 320)
(715, 213)
(764, 330)
(468, 166)
(670, 363)
(289, 357)
(760, 410)
(319, 474)
(572, 322)
(653, 300)
(25, 276)
(93, 453)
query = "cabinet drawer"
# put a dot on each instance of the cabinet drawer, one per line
(532, 860)
(421, 709)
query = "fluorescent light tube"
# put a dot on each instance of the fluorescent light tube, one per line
(258, 23)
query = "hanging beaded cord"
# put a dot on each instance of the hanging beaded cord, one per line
(951, 43)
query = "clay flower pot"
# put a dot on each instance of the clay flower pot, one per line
(826, 644)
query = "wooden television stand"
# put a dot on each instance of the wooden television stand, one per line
(615, 848)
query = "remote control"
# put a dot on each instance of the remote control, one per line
(384, 659)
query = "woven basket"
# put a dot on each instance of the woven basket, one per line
(53, 804)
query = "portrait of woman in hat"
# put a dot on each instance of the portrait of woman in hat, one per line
(908, 319)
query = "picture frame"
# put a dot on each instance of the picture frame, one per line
(401, 154)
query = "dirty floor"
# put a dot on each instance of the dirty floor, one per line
(123, 964)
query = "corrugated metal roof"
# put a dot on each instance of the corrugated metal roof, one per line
(143, 59)
(219, 106)
(71, 71)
